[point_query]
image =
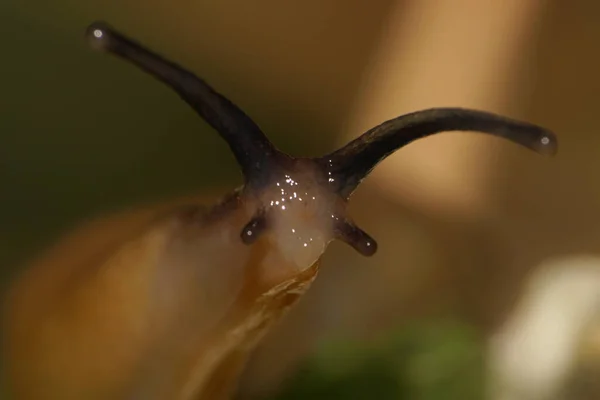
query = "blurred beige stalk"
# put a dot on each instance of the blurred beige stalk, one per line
(551, 339)
(445, 53)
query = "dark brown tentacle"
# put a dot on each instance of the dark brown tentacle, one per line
(348, 166)
(250, 146)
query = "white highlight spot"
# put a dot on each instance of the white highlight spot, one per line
(98, 33)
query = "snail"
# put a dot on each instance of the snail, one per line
(169, 302)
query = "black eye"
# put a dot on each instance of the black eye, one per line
(254, 228)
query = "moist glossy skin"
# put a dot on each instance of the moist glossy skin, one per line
(301, 212)
(168, 302)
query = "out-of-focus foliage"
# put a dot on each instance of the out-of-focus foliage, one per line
(441, 360)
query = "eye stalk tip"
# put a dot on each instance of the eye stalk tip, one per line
(99, 35)
(547, 144)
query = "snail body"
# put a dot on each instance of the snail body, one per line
(168, 302)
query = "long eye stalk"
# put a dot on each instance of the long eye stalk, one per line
(352, 163)
(248, 143)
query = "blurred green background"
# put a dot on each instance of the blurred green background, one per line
(424, 361)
